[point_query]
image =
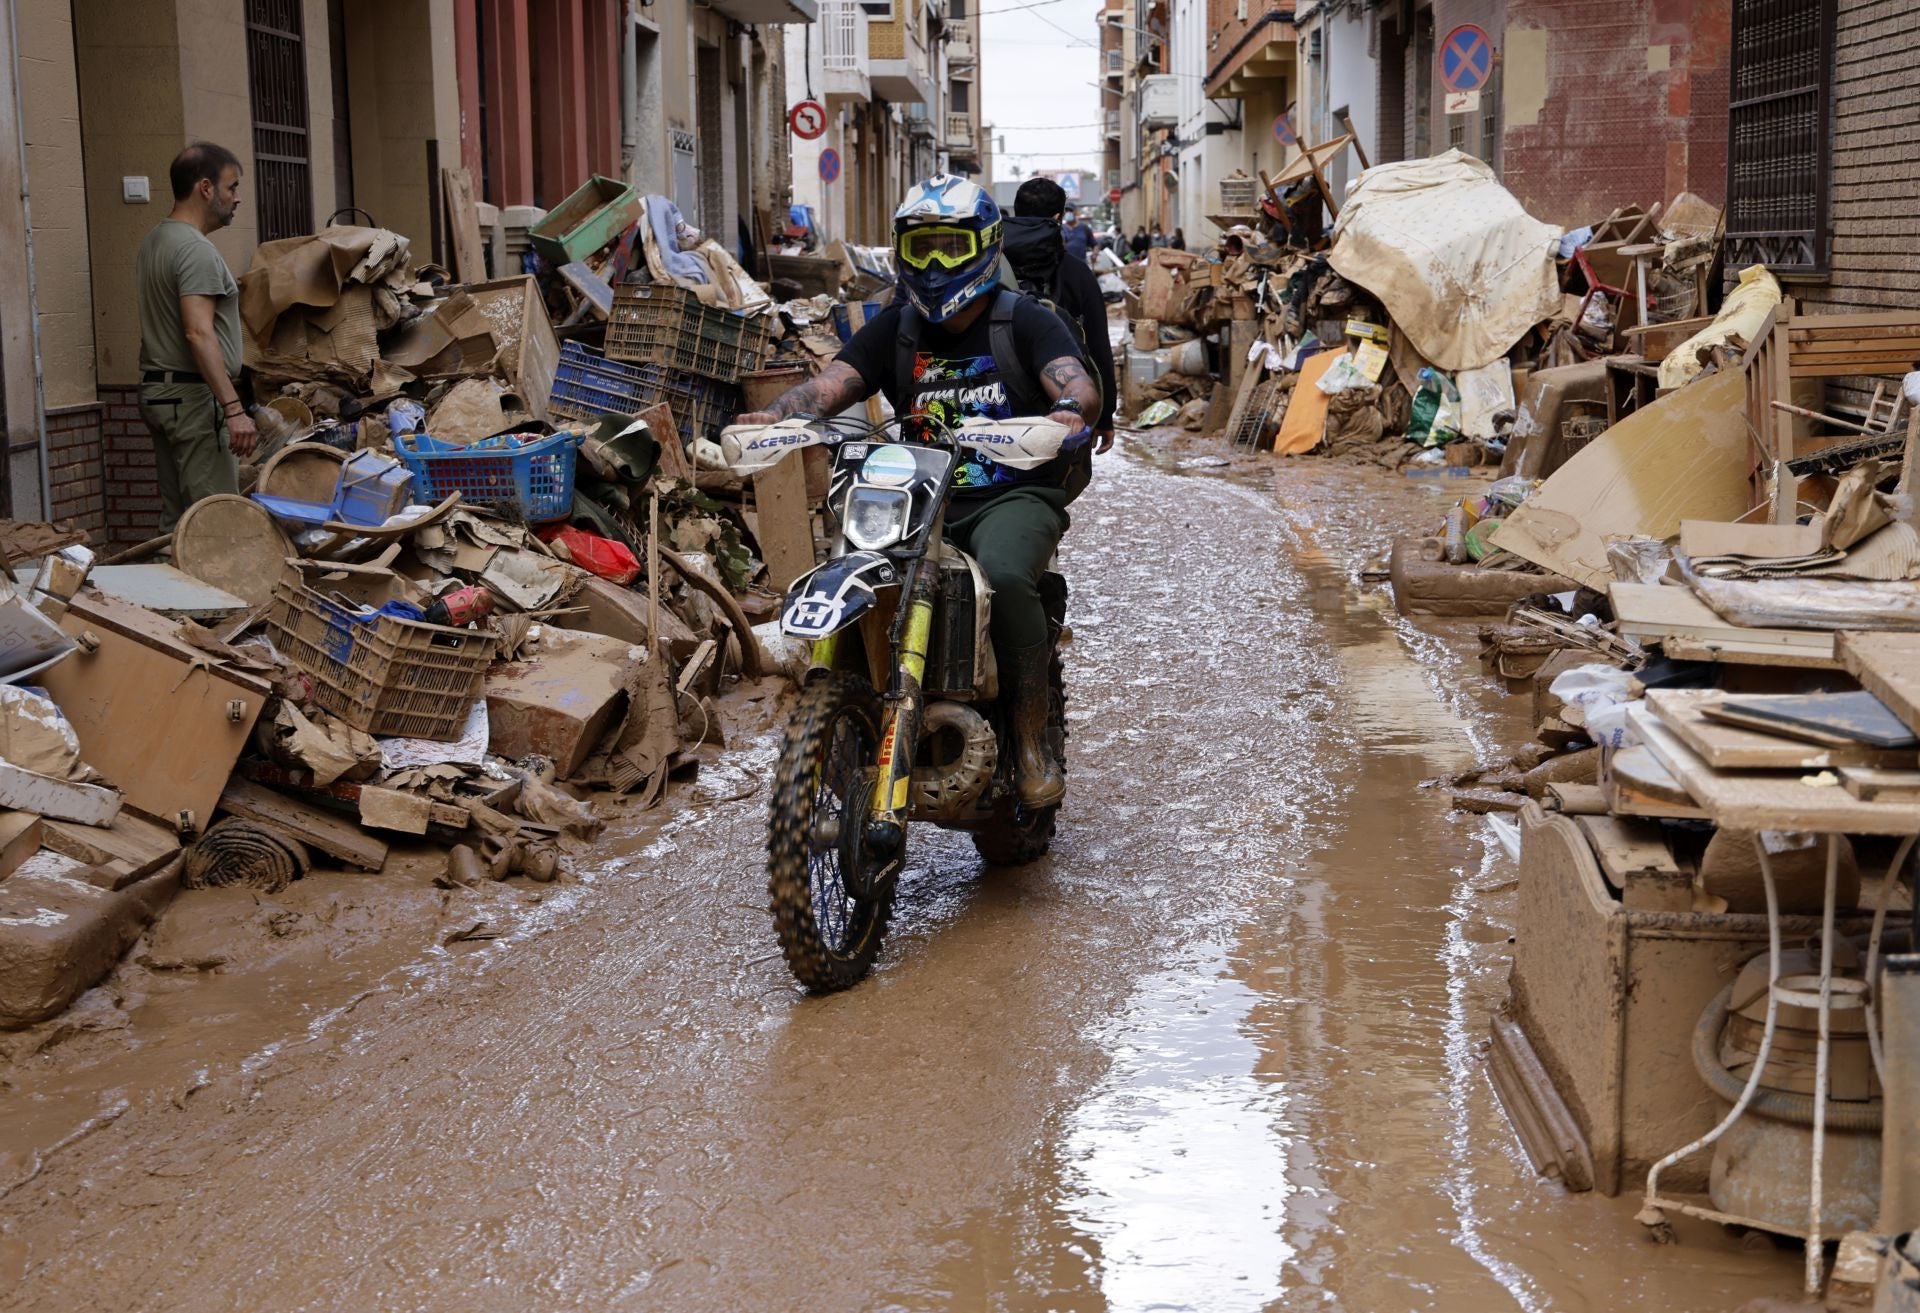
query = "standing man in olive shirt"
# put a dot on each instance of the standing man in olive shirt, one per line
(190, 336)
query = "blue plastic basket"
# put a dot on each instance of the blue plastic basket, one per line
(535, 479)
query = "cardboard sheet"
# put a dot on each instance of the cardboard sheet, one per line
(1306, 421)
(1682, 458)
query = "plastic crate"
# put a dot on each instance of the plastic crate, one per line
(588, 386)
(534, 480)
(381, 674)
(669, 326)
(1237, 195)
(599, 210)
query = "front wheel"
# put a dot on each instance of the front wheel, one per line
(816, 828)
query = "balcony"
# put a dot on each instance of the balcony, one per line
(1113, 125)
(897, 67)
(960, 132)
(768, 11)
(1159, 101)
(843, 54)
(960, 55)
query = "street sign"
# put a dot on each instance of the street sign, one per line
(1070, 184)
(808, 120)
(1466, 58)
(1283, 130)
(1463, 102)
(1113, 195)
(829, 165)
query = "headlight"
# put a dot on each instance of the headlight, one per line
(877, 517)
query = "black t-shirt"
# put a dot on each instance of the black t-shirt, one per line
(943, 367)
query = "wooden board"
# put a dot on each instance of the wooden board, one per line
(463, 223)
(1881, 785)
(673, 457)
(1691, 630)
(232, 543)
(783, 522)
(1753, 800)
(1639, 784)
(20, 836)
(1888, 666)
(1829, 719)
(333, 835)
(1683, 457)
(172, 754)
(1731, 747)
(124, 853)
(1635, 859)
(24, 790)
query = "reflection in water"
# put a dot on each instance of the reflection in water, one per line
(1177, 1164)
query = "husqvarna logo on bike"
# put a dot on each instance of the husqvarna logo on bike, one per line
(812, 616)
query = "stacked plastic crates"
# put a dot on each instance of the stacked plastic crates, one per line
(661, 325)
(587, 385)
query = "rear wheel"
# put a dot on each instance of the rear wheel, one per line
(816, 852)
(1017, 835)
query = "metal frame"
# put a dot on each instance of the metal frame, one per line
(1779, 128)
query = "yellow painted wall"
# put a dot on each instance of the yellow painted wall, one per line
(50, 110)
(400, 61)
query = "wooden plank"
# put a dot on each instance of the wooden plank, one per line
(331, 834)
(1576, 799)
(124, 853)
(20, 838)
(1888, 666)
(783, 522)
(1731, 747)
(1638, 784)
(463, 223)
(176, 753)
(1833, 720)
(1881, 785)
(1769, 801)
(1668, 613)
(1634, 857)
(1870, 319)
(63, 800)
(673, 456)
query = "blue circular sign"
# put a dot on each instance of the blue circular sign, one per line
(1466, 58)
(1283, 130)
(829, 165)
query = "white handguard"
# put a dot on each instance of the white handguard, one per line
(750, 448)
(1023, 444)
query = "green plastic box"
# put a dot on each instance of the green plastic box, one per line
(597, 212)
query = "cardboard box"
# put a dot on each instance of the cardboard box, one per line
(1146, 334)
(560, 697)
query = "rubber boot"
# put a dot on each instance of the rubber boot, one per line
(1041, 781)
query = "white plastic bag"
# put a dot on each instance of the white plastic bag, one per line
(1599, 696)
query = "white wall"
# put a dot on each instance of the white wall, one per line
(1345, 77)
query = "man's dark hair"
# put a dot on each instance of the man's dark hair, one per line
(203, 159)
(1039, 198)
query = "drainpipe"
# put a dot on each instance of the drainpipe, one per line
(33, 297)
(629, 92)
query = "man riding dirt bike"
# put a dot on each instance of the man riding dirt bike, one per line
(953, 354)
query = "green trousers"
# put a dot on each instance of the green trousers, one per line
(1013, 537)
(189, 444)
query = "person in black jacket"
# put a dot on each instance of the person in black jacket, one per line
(1036, 249)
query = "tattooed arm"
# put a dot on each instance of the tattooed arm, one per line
(1067, 378)
(829, 392)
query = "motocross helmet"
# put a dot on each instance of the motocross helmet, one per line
(946, 245)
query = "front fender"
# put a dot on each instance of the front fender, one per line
(836, 593)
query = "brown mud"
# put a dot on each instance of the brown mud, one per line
(1221, 1051)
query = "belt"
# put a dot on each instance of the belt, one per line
(170, 376)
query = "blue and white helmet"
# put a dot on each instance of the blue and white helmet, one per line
(946, 245)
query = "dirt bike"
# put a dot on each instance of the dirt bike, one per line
(900, 719)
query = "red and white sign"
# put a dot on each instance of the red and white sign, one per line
(808, 120)
(1114, 195)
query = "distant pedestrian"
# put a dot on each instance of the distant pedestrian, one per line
(189, 307)
(1159, 239)
(1140, 242)
(1077, 236)
(1179, 242)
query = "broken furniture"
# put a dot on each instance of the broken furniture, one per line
(1766, 805)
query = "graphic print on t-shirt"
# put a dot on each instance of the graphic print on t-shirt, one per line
(952, 389)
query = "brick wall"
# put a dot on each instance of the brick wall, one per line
(1234, 38)
(132, 490)
(1875, 170)
(74, 468)
(1635, 108)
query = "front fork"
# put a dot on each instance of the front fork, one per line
(900, 733)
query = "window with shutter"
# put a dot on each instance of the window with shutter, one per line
(277, 87)
(1778, 115)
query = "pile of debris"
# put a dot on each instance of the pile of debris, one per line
(489, 573)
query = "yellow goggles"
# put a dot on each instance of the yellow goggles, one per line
(950, 247)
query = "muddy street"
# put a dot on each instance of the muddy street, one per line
(1221, 1051)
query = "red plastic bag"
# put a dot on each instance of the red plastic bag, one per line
(602, 556)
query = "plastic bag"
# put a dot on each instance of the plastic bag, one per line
(610, 560)
(1342, 375)
(1599, 695)
(1436, 410)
